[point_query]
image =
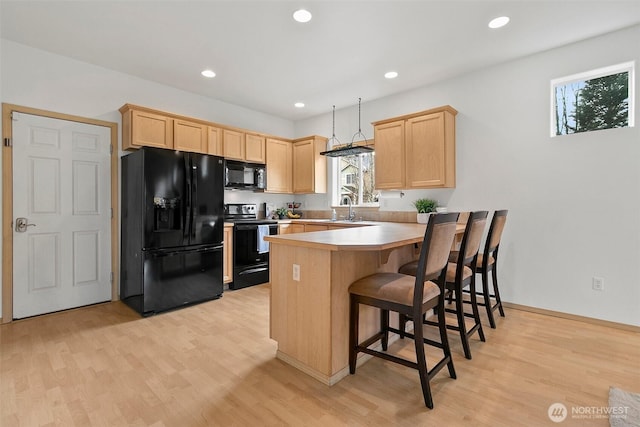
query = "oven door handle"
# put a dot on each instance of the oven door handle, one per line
(247, 227)
(253, 271)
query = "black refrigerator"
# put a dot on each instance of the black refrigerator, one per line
(172, 229)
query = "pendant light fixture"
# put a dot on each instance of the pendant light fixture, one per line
(333, 141)
(349, 149)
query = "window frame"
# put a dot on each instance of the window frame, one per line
(337, 182)
(594, 74)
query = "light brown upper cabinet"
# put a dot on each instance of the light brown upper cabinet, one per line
(190, 136)
(279, 166)
(214, 141)
(390, 155)
(243, 146)
(233, 144)
(417, 150)
(309, 167)
(144, 129)
(255, 148)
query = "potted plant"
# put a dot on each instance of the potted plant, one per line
(425, 208)
(282, 212)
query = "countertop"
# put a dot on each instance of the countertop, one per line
(378, 236)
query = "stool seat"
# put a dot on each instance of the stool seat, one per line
(453, 256)
(411, 268)
(393, 287)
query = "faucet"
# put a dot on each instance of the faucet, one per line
(352, 214)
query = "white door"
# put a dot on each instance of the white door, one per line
(61, 196)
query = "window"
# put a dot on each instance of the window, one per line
(355, 180)
(594, 100)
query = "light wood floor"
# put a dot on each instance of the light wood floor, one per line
(214, 364)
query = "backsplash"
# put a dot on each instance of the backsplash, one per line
(363, 214)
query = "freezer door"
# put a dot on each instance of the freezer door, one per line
(207, 199)
(165, 200)
(173, 279)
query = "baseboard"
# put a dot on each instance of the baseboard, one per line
(332, 379)
(585, 319)
(323, 378)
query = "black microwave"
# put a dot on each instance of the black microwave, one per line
(245, 176)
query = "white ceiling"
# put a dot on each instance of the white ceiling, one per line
(266, 61)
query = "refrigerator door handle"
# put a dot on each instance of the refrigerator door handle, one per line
(188, 206)
(194, 194)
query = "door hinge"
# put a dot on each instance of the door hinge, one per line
(7, 142)
(111, 277)
(110, 148)
(111, 213)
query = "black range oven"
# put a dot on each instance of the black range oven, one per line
(250, 250)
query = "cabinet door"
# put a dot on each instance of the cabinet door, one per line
(189, 136)
(233, 144)
(214, 141)
(425, 151)
(279, 166)
(315, 227)
(285, 228)
(296, 228)
(227, 273)
(150, 130)
(390, 155)
(303, 166)
(255, 149)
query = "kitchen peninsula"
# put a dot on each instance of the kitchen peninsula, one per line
(310, 278)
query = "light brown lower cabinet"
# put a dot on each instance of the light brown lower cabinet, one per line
(227, 268)
(315, 227)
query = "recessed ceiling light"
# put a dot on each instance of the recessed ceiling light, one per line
(498, 22)
(208, 73)
(391, 75)
(302, 15)
(299, 105)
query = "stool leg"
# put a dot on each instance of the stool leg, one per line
(487, 297)
(474, 307)
(384, 328)
(494, 275)
(444, 339)
(461, 325)
(354, 316)
(422, 361)
(402, 324)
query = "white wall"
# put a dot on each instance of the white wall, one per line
(573, 201)
(38, 79)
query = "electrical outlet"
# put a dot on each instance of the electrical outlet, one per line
(296, 272)
(597, 283)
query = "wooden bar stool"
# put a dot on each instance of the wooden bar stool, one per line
(411, 297)
(461, 274)
(488, 262)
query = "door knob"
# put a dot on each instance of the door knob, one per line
(22, 224)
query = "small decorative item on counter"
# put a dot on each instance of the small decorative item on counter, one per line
(425, 208)
(281, 212)
(334, 216)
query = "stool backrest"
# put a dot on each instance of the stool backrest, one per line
(495, 232)
(434, 254)
(473, 233)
